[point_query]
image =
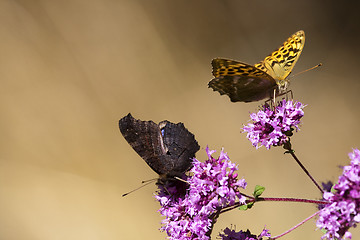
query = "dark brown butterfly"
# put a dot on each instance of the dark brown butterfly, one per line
(168, 148)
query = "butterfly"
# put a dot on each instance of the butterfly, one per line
(246, 83)
(168, 148)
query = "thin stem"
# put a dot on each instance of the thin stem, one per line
(262, 199)
(226, 209)
(305, 170)
(296, 226)
(248, 196)
(214, 219)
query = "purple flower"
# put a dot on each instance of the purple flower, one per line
(343, 211)
(241, 235)
(273, 127)
(212, 186)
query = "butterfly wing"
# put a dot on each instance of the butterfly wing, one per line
(146, 139)
(166, 147)
(181, 146)
(280, 63)
(240, 81)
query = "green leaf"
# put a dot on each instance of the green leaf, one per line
(333, 189)
(246, 206)
(243, 207)
(250, 205)
(258, 191)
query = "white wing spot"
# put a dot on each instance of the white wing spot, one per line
(249, 80)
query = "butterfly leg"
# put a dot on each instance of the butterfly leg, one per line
(286, 93)
(271, 102)
(291, 93)
(287, 98)
(274, 97)
(182, 180)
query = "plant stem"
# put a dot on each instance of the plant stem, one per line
(296, 226)
(305, 170)
(262, 199)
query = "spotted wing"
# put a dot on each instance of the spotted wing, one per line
(280, 63)
(240, 81)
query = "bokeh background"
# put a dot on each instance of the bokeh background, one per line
(71, 69)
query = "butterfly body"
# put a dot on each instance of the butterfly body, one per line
(246, 83)
(166, 147)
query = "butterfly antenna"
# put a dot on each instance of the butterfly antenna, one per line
(319, 65)
(150, 180)
(147, 182)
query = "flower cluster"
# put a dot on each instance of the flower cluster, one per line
(273, 127)
(213, 186)
(343, 211)
(241, 235)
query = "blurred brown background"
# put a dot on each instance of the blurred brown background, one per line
(71, 69)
